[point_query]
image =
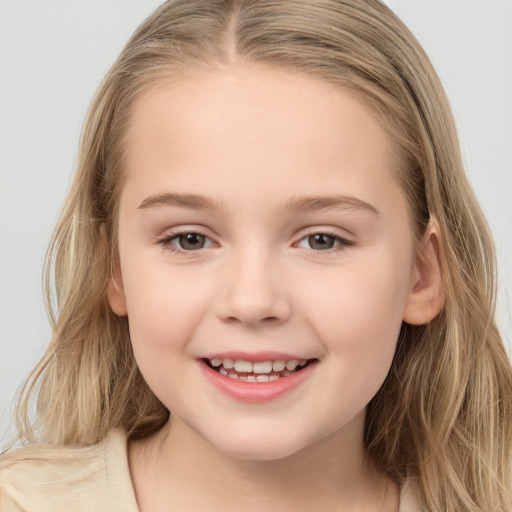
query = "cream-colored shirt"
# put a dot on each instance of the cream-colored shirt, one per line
(92, 479)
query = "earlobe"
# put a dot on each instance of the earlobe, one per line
(115, 292)
(426, 293)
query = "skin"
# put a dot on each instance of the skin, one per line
(252, 138)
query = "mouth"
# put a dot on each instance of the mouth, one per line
(257, 371)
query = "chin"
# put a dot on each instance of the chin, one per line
(259, 446)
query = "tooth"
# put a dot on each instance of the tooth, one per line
(251, 378)
(243, 366)
(228, 363)
(262, 367)
(303, 362)
(291, 365)
(243, 377)
(273, 377)
(223, 372)
(278, 366)
(285, 373)
(216, 361)
(233, 376)
(262, 378)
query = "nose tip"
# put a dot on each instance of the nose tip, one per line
(252, 296)
(254, 313)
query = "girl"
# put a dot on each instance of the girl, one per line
(275, 287)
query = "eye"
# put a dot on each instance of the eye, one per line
(189, 241)
(323, 242)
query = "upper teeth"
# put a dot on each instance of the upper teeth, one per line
(242, 366)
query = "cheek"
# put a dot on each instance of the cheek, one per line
(162, 319)
(359, 315)
(358, 324)
(164, 308)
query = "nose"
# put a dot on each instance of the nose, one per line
(253, 291)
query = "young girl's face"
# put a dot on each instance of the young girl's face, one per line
(261, 225)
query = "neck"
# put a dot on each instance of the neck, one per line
(178, 466)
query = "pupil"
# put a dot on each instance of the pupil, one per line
(191, 241)
(321, 242)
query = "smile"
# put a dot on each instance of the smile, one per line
(258, 371)
(256, 381)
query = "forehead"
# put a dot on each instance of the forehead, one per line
(235, 125)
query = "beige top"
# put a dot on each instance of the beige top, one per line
(95, 478)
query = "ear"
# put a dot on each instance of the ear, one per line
(115, 291)
(426, 293)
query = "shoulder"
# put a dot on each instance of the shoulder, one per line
(45, 478)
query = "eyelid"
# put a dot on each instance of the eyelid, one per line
(166, 239)
(342, 242)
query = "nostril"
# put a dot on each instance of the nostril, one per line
(270, 319)
(252, 319)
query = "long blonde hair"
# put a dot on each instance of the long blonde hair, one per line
(444, 413)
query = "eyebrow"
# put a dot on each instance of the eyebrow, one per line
(318, 203)
(192, 201)
(293, 205)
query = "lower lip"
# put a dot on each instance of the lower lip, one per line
(256, 392)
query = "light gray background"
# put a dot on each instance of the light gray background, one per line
(52, 56)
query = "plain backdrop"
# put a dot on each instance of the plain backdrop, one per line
(53, 54)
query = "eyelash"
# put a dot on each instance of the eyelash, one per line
(167, 244)
(341, 243)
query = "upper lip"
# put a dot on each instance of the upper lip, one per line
(255, 356)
